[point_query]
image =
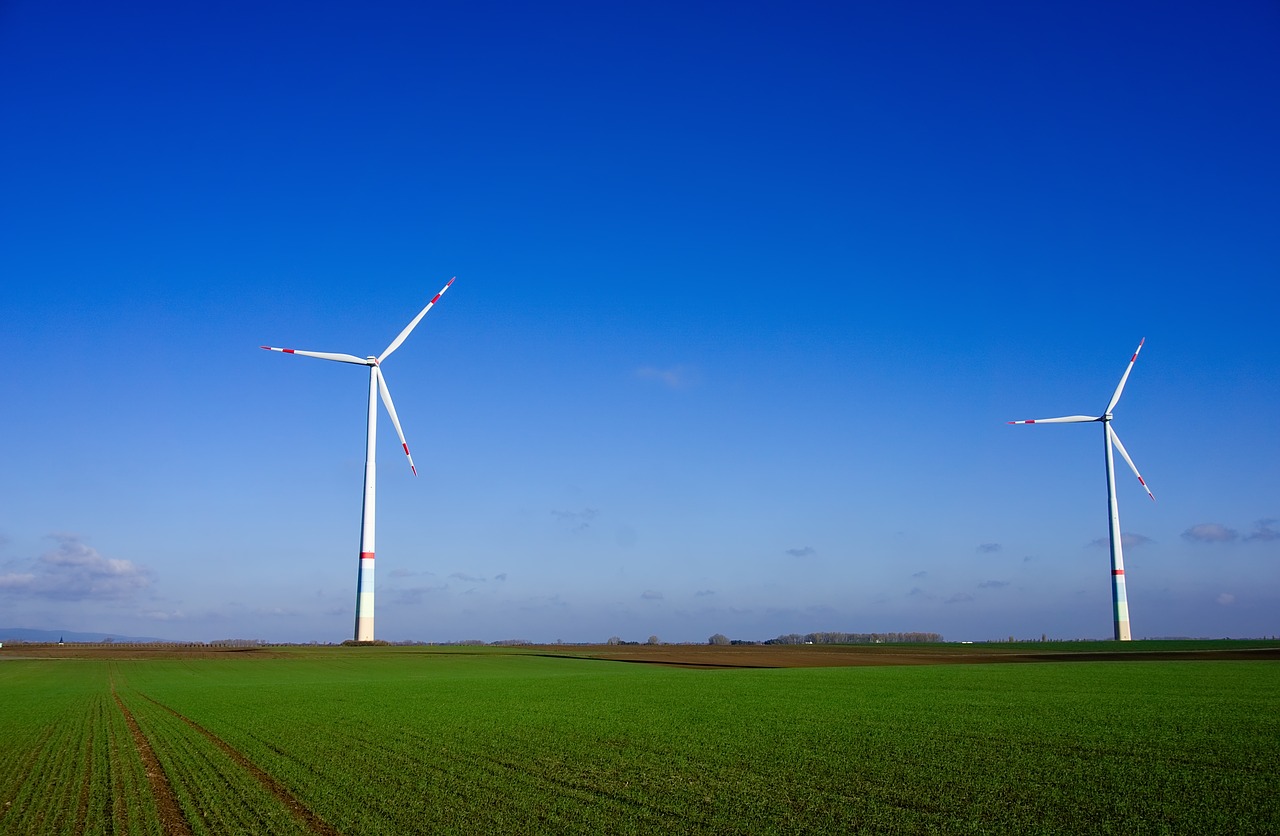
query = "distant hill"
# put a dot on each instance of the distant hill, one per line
(23, 634)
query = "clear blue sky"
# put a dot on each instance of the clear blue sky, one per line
(746, 294)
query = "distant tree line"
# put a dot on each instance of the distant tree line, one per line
(855, 638)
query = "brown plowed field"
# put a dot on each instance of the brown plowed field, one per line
(128, 652)
(816, 656)
(691, 655)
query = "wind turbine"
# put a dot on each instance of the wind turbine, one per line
(377, 386)
(1119, 599)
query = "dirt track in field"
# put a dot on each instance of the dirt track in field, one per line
(305, 816)
(172, 820)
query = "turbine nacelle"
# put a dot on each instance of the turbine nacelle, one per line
(1105, 419)
(375, 368)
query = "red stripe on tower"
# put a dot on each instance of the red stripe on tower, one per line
(1113, 571)
(287, 350)
(366, 555)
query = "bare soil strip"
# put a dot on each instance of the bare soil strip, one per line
(300, 811)
(172, 820)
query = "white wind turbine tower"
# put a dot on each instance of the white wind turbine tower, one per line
(1120, 600)
(377, 386)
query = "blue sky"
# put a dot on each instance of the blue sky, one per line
(746, 294)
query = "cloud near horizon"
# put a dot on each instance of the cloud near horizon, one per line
(675, 377)
(1210, 533)
(1263, 531)
(804, 551)
(579, 520)
(165, 615)
(1128, 540)
(410, 597)
(74, 571)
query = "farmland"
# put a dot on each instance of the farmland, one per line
(711, 740)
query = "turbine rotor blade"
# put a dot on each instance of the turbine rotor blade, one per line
(1115, 439)
(1068, 419)
(323, 355)
(1115, 399)
(408, 328)
(391, 410)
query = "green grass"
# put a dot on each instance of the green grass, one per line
(67, 761)
(394, 740)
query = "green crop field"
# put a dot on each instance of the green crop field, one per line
(401, 740)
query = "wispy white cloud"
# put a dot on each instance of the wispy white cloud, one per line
(993, 584)
(577, 520)
(959, 598)
(651, 595)
(674, 377)
(286, 612)
(17, 580)
(75, 571)
(412, 597)
(1226, 599)
(804, 551)
(1128, 540)
(1210, 533)
(1264, 530)
(989, 548)
(703, 593)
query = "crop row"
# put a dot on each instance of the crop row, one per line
(74, 754)
(68, 763)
